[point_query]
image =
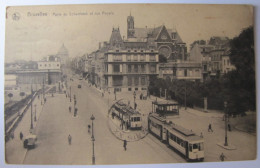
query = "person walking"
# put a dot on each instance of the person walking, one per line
(69, 139)
(210, 128)
(125, 144)
(21, 135)
(229, 127)
(222, 157)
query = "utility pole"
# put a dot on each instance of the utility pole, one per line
(35, 112)
(92, 118)
(226, 119)
(31, 108)
(185, 103)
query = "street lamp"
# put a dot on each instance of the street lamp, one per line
(70, 93)
(92, 118)
(225, 110)
(35, 112)
(134, 98)
(31, 108)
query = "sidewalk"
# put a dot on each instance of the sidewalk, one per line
(14, 150)
(198, 122)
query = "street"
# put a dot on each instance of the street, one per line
(56, 123)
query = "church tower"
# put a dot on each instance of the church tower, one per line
(130, 26)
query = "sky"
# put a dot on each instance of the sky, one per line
(38, 31)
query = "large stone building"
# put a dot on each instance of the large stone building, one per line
(123, 65)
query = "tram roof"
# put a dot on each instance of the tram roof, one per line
(164, 103)
(182, 130)
(126, 109)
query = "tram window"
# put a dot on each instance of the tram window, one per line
(190, 147)
(195, 146)
(201, 147)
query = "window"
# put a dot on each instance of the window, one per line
(129, 68)
(135, 57)
(153, 68)
(135, 68)
(129, 89)
(152, 58)
(142, 58)
(136, 81)
(117, 57)
(116, 68)
(143, 80)
(143, 68)
(129, 81)
(185, 72)
(128, 57)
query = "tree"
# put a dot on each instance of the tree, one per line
(239, 85)
(10, 95)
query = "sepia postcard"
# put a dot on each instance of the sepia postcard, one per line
(113, 84)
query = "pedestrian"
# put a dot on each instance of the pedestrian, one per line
(21, 135)
(201, 135)
(222, 157)
(125, 144)
(12, 135)
(89, 128)
(69, 139)
(69, 108)
(135, 106)
(229, 127)
(210, 128)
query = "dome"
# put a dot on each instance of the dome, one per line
(63, 50)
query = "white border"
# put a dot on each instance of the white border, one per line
(5, 3)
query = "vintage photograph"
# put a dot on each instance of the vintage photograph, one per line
(129, 84)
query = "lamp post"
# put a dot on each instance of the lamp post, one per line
(70, 93)
(134, 98)
(92, 118)
(31, 108)
(226, 117)
(35, 112)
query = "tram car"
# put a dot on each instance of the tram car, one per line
(129, 116)
(182, 140)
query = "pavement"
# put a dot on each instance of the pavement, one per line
(55, 150)
(241, 141)
(16, 152)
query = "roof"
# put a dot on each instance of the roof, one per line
(115, 37)
(164, 103)
(141, 33)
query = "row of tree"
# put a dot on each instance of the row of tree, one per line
(236, 87)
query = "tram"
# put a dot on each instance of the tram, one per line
(182, 140)
(129, 117)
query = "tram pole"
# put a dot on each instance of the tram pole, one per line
(226, 118)
(31, 108)
(92, 118)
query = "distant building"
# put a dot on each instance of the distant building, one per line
(52, 62)
(212, 56)
(180, 71)
(63, 54)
